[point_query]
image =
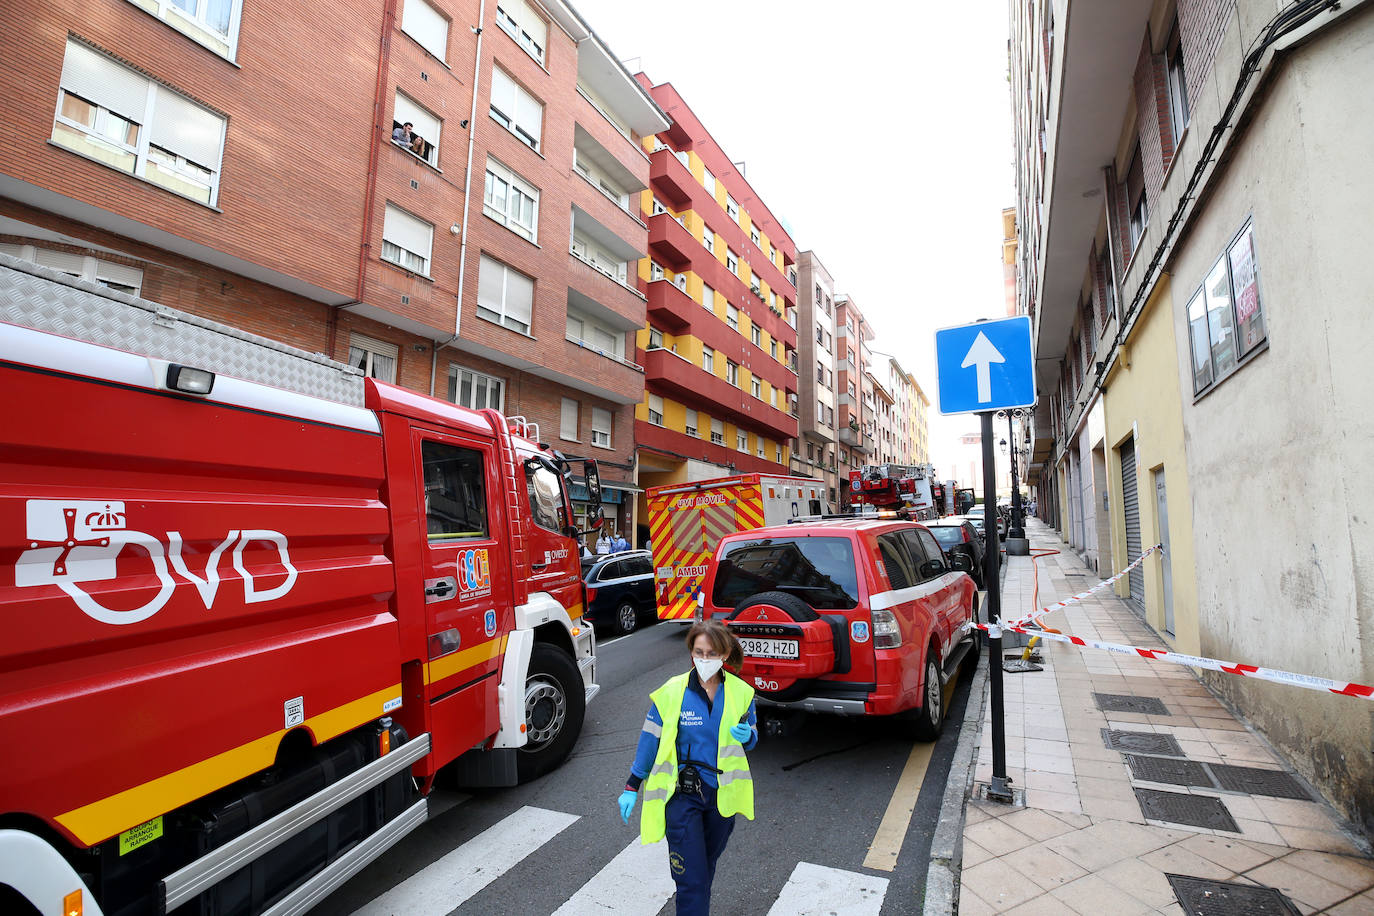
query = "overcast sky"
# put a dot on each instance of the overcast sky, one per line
(879, 132)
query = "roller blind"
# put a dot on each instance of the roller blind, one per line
(96, 78)
(504, 291)
(567, 427)
(412, 234)
(183, 127)
(426, 124)
(422, 22)
(529, 21)
(516, 104)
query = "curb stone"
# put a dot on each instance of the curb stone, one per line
(947, 843)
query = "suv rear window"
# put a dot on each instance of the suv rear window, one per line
(818, 570)
(948, 535)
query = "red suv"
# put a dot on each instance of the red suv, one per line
(847, 616)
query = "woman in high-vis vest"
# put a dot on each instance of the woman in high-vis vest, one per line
(692, 766)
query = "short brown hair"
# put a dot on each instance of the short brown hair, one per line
(721, 639)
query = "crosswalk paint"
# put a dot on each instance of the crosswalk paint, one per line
(445, 884)
(815, 890)
(635, 883)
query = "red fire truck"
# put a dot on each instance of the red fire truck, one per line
(245, 626)
(895, 487)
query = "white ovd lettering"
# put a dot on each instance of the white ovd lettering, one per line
(250, 593)
(210, 584)
(153, 547)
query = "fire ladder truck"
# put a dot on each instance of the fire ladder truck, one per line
(894, 487)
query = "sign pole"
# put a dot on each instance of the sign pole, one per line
(998, 790)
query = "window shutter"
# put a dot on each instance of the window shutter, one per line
(519, 297)
(412, 234)
(64, 261)
(491, 281)
(528, 113)
(95, 77)
(422, 22)
(567, 428)
(503, 92)
(183, 127)
(601, 423)
(530, 22)
(426, 124)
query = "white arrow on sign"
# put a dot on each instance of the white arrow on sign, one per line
(982, 354)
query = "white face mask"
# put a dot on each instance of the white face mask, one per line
(707, 667)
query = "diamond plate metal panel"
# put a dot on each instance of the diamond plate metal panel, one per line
(1193, 810)
(1169, 770)
(1141, 742)
(1124, 702)
(1257, 781)
(46, 300)
(1204, 897)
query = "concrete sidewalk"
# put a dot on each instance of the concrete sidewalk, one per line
(1083, 842)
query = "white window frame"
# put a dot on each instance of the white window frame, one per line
(371, 350)
(593, 255)
(587, 331)
(708, 181)
(603, 424)
(414, 22)
(732, 372)
(406, 109)
(531, 134)
(756, 387)
(523, 25)
(690, 423)
(741, 442)
(708, 298)
(504, 317)
(708, 238)
(195, 26)
(456, 373)
(655, 404)
(731, 261)
(755, 238)
(655, 339)
(655, 271)
(708, 360)
(731, 208)
(717, 432)
(118, 277)
(404, 229)
(568, 413)
(732, 317)
(516, 189)
(756, 335)
(151, 114)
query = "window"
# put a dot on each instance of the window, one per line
(756, 335)
(717, 432)
(567, 420)
(817, 298)
(520, 22)
(792, 276)
(504, 295)
(756, 387)
(422, 22)
(778, 454)
(759, 447)
(655, 339)
(775, 397)
(515, 109)
(376, 359)
(731, 261)
(708, 181)
(732, 372)
(741, 442)
(680, 281)
(590, 332)
(213, 23)
(820, 334)
(1177, 82)
(656, 409)
(655, 271)
(1135, 196)
(901, 570)
(1225, 320)
(691, 423)
(122, 119)
(754, 237)
(424, 129)
(406, 240)
(601, 427)
(467, 388)
(117, 277)
(732, 317)
(708, 360)
(708, 238)
(731, 208)
(708, 298)
(455, 498)
(820, 409)
(511, 201)
(593, 255)
(772, 252)
(818, 570)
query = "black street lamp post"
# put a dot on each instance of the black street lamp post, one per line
(1017, 527)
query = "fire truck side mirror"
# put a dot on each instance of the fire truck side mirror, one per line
(593, 478)
(595, 519)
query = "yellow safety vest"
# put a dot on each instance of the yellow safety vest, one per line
(735, 794)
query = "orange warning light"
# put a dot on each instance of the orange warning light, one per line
(384, 742)
(71, 904)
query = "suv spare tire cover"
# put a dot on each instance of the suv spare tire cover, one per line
(784, 679)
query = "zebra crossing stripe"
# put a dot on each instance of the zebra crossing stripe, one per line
(635, 883)
(447, 883)
(814, 890)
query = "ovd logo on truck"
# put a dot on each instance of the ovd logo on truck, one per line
(70, 542)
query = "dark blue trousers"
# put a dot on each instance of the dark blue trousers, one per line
(697, 835)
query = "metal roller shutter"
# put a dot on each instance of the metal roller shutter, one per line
(1130, 503)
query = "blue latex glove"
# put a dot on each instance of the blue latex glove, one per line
(741, 732)
(627, 804)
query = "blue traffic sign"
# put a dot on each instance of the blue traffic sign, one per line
(985, 366)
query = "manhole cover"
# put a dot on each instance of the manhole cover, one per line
(1201, 897)
(1125, 702)
(1256, 781)
(1017, 666)
(1170, 770)
(1193, 810)
(1141, 742)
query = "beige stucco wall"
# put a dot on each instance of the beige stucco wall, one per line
(1142, 400)
(1280, 453)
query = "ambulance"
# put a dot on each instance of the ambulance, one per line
(687, 521)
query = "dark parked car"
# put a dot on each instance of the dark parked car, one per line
(958, 535)
(620, 591)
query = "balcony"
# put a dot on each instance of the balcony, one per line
(687, 382)
(670, 244)
(672, 310)
(671, 180)
(856, 440)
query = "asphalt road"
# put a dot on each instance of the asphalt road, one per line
(822, 792)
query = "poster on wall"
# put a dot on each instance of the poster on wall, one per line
(1246, 288)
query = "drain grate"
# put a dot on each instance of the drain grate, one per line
(1167, 769)
(1193, 810)
(1201, 897)
(1141, 743)
(1256, 781)
(1125, 702)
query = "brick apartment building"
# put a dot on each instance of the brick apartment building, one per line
(815, 454)
(719, 348)
(238, 163)
(853, 396)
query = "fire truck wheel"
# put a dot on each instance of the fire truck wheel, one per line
(626, 618)
(554, 706)
(928, 721)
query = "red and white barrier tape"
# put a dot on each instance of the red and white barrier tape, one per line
(1344, 688)
(1034, 616)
